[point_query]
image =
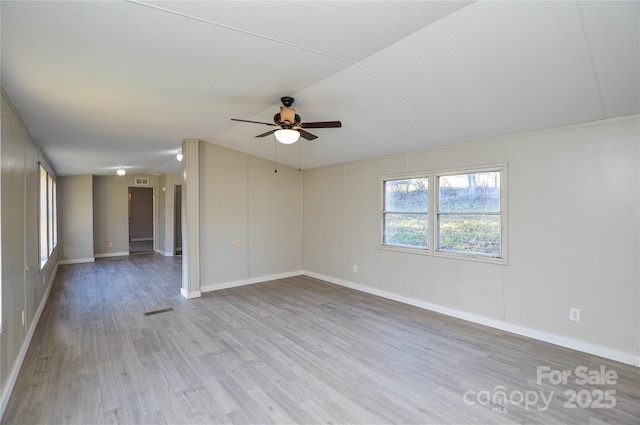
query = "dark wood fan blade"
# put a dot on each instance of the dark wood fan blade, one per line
(321, 124)
(306, 134)
(254, 122)
(266, 134)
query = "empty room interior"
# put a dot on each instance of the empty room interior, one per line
(420, 212)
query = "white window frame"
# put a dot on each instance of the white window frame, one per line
(47, 215)
(55, 214)
(43, 228)
(50, 225)
(433, 202)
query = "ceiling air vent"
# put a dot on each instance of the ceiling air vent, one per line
(142, 181)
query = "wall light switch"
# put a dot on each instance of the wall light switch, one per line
(355, 268)
(238, 243)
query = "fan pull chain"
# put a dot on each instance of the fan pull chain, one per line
(275, 151)
(299, 156)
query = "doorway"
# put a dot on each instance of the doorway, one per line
(141, 224)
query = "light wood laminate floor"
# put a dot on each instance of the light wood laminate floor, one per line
(295, 350)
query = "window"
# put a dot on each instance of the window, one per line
(48, 216)
(54, 200)
(44, 243)
(454, 214)
(405, 215)
(469, 213)
(50, 213)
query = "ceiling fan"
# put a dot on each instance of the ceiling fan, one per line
(289, 125)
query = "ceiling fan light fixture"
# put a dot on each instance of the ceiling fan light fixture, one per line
(289, 126)
(287, 136)
(121, 172)
(179, 156)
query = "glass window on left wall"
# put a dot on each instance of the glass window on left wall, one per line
(405, 214)
(47, 216)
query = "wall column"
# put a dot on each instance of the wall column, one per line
(190, 219)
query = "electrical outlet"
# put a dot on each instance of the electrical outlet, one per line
(574, 314)
(355, 268)
(238, 243)
(110, 244)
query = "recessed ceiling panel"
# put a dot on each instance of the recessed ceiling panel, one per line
(612, 30)
(496, 68)
(127, 48)
(351, 30)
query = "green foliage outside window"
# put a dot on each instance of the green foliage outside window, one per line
(405, 219)
(469, 233)
(406, 230)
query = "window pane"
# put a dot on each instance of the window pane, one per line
(479, 234)
(44, 253)
(409, 195)
(406, 229)
(54, 195)
(477, 192)
(50, 212)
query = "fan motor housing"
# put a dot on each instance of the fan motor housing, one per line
(277, 118)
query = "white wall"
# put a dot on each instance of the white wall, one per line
(110, 217)
(242, 199)
(75, 218)
(274, 218)
(23, 288)
(573, 235)
(166, 197)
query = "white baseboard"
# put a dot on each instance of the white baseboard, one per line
(77, 261)
(166, 254)
(112, 254)
(49, 284)
(562, 341)
(13, 375)
(226, 285)
(189, 295)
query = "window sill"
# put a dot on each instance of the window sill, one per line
(478, 258)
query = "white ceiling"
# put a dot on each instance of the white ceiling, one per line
(108, 84)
